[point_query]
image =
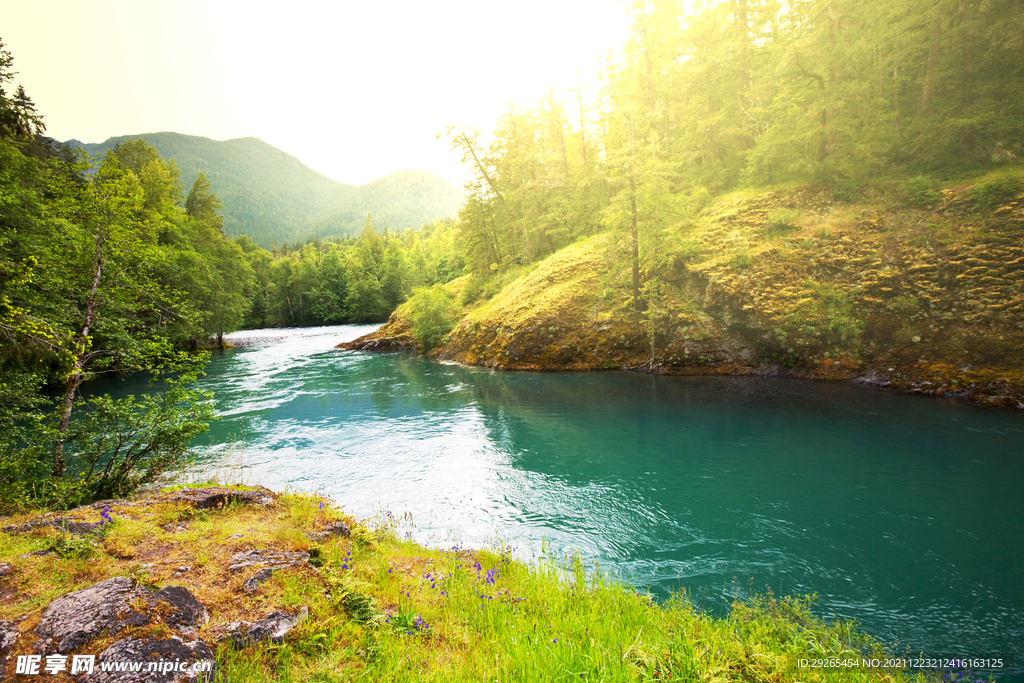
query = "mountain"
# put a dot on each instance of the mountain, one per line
(272, 196)
(404, 199)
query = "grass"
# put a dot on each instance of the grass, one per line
(383, 608)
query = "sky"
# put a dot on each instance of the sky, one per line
(355, 90)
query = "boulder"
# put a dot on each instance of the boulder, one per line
(175, 661)
(72, 620)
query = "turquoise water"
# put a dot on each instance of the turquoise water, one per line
(903, 513)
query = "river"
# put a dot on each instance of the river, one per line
(903, 513)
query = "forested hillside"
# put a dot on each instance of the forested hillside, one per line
(274, 198)
(822, 188)
(747, 94)
(400, 200)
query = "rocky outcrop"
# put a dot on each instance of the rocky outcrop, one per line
(218, 496)
(175, 661)
(109, 607)
(8, 638)
(394, 335)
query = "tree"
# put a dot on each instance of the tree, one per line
(105, 275)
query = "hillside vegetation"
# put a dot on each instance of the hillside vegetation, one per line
(784, 282)
(823, 189)
(273, 197)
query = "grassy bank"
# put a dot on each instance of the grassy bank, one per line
(383, 608)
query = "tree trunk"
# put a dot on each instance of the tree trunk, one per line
(933, 60)
(92, 306)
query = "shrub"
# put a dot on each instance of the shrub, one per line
(1001, 189)
(920, 192)
(845, 191)
(433, 314)
(781, 221)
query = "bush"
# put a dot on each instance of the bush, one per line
(920, 192)
(991, 193)
(846, 191)
(433, 314)
(114, 446)
(781, 221)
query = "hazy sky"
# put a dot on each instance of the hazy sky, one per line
(355, 90)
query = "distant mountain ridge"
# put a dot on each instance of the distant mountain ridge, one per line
(273, 197)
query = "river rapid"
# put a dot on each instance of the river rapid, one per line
(903, 513)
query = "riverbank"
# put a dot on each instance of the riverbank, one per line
(268, 586)
(790, 282)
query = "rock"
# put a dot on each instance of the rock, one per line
(72, 620)
(68, 524)
(218, 496)
(37, 553)
(253, 583)
(273, 628)
(5, 569)
(8, 637)
(174, 527)
(175, 660)
(185, 609)
(336, 529)
(274, 558)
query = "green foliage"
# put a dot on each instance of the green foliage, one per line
(113, 446)
(993, 192)
(846, 191)
(433, 314)
(921, 192)
(71, 547)
(741, 260)
(832, 315)
(102, 270)
(781, 221)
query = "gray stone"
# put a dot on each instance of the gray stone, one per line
(274, 558)
(185, 610)
(274, 627)
(170, 653)
(336, 529)
(5, 569)
(72, 620)
(253, 583)
(218, 496)
(67, 524)
(8, 637)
